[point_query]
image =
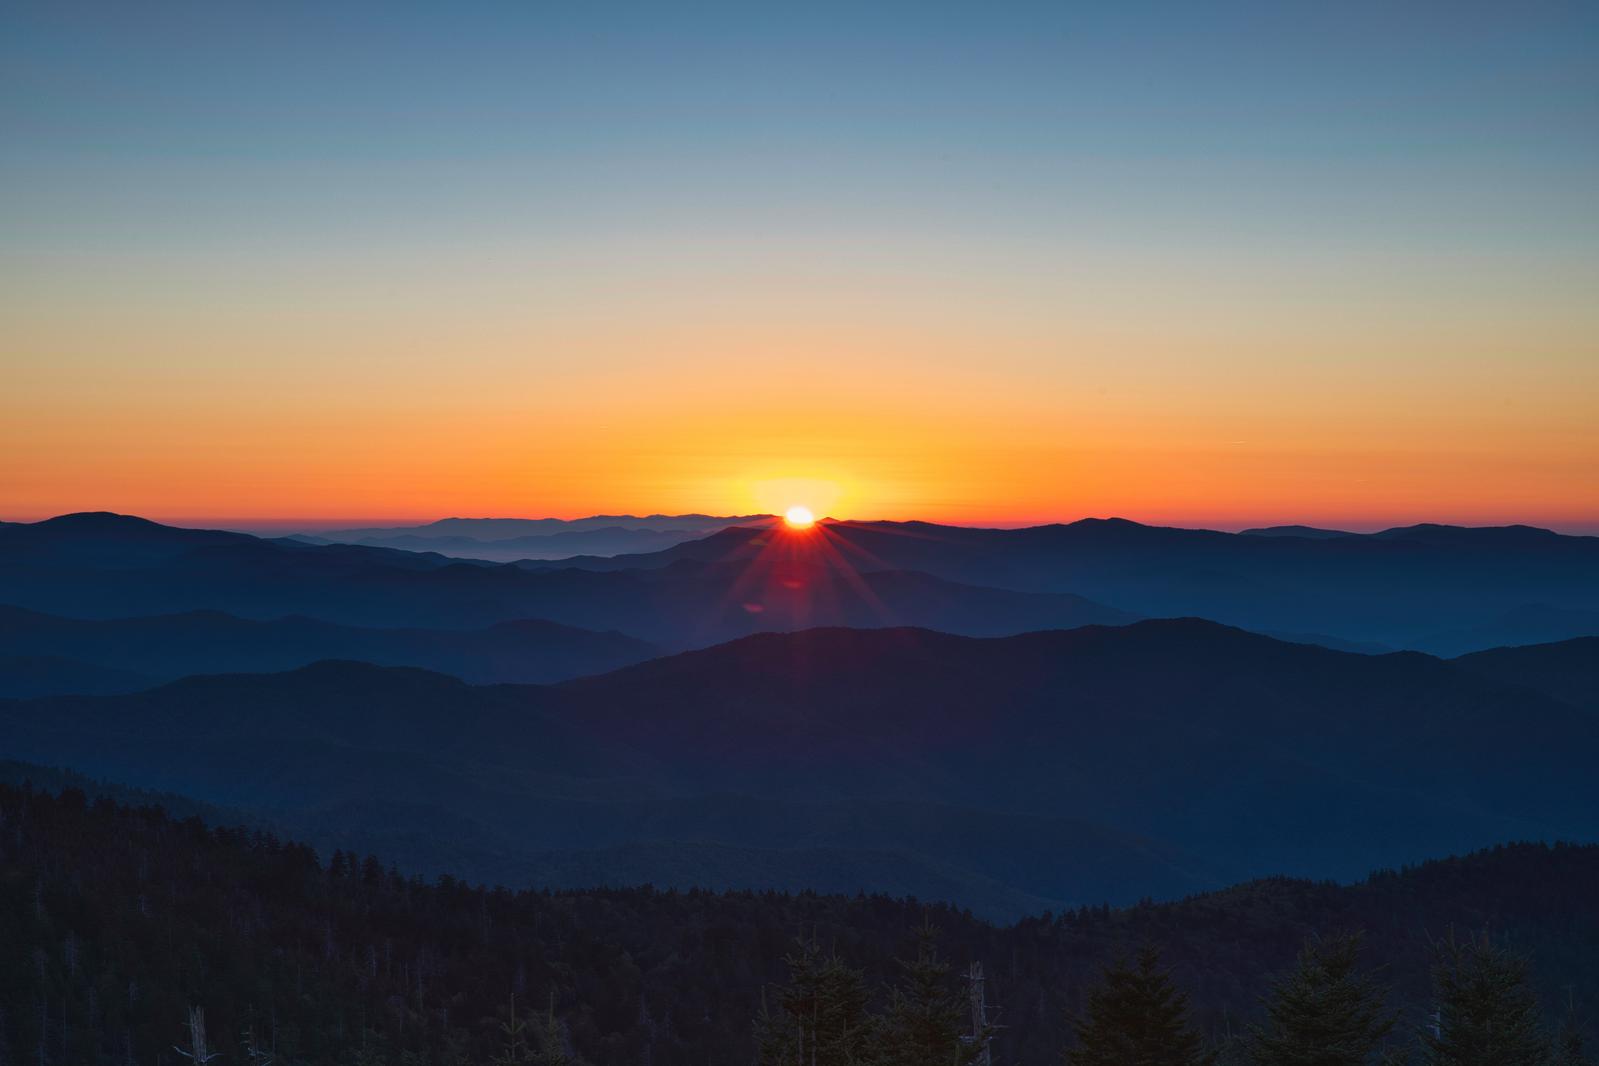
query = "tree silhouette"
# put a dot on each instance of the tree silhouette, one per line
(1137, 1017)
(927, 1019)
(821, 1017)
(1324, 1013)
(516, 1050)
(1486, 1014)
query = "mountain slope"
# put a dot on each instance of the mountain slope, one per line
(1069, 766)
(511, 539)
(1433, 588)
(95, 566)
(1440, 589)
(1567, 670)
(167, 647)
(26, 676)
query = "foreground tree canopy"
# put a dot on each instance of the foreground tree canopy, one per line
(118, 922)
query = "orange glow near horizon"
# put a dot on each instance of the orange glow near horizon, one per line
(544, 261)
(981, 426)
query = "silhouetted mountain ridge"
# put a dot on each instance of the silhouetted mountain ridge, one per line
(511, 539)
(1436, 588)
(686, 606)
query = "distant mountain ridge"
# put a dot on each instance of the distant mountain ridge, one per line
(105, 566)
(1444, 590)
(489, 529)
(1441, 589)
(1308, 532)
(511, 539)
(1098, 763)
(127, 654)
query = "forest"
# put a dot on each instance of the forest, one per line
(133, 937)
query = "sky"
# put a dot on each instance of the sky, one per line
(1204, 264)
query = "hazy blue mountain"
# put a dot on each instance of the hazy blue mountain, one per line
(510, 539)
(606, 540)
(1436, 588)
(128, 653)
(1533, 623)
(1099, 763)
(1440, 589)
(1306, 532)
(98, 566)
(488, 529)
(26, 676)
(1568, 670)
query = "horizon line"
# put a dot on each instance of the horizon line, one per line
(280, 526)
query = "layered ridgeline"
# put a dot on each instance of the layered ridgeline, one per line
(1007, 774)
(1441, 589)
(44, 654)
(510, 539)
(120, 921)
(112, 566)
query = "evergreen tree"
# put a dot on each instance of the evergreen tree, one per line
(1137, 1017)
(1486, 1014)
(551, 1039)
(1325, 1013)
(821, 1018)
(927, 1021)
(1570, 1049)
(515, 1051)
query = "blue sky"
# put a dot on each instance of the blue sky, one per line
(1329, 208)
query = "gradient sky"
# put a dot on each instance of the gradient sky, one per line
(1192, 263)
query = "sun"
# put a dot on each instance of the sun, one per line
(799, 517)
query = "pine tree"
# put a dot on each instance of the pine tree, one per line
(1325, 1013)
(1570, 1049)
(516, 1051)
(1486, 1014)
(551, 1039)
(821, 1018)
(1137, 1017)
(926, 1022)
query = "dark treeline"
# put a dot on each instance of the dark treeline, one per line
(116, 922)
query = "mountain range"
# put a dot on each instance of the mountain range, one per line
(511, 539)
(1103, 763)
(1441, 589)
(113, 566)
(1445, 590)
(47, 655)
(933, 710)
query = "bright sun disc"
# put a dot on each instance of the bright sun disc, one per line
(799, 517)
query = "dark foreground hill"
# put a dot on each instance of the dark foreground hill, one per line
(113, 566)
(1009, 774)
(126, 654)
(116, 921)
